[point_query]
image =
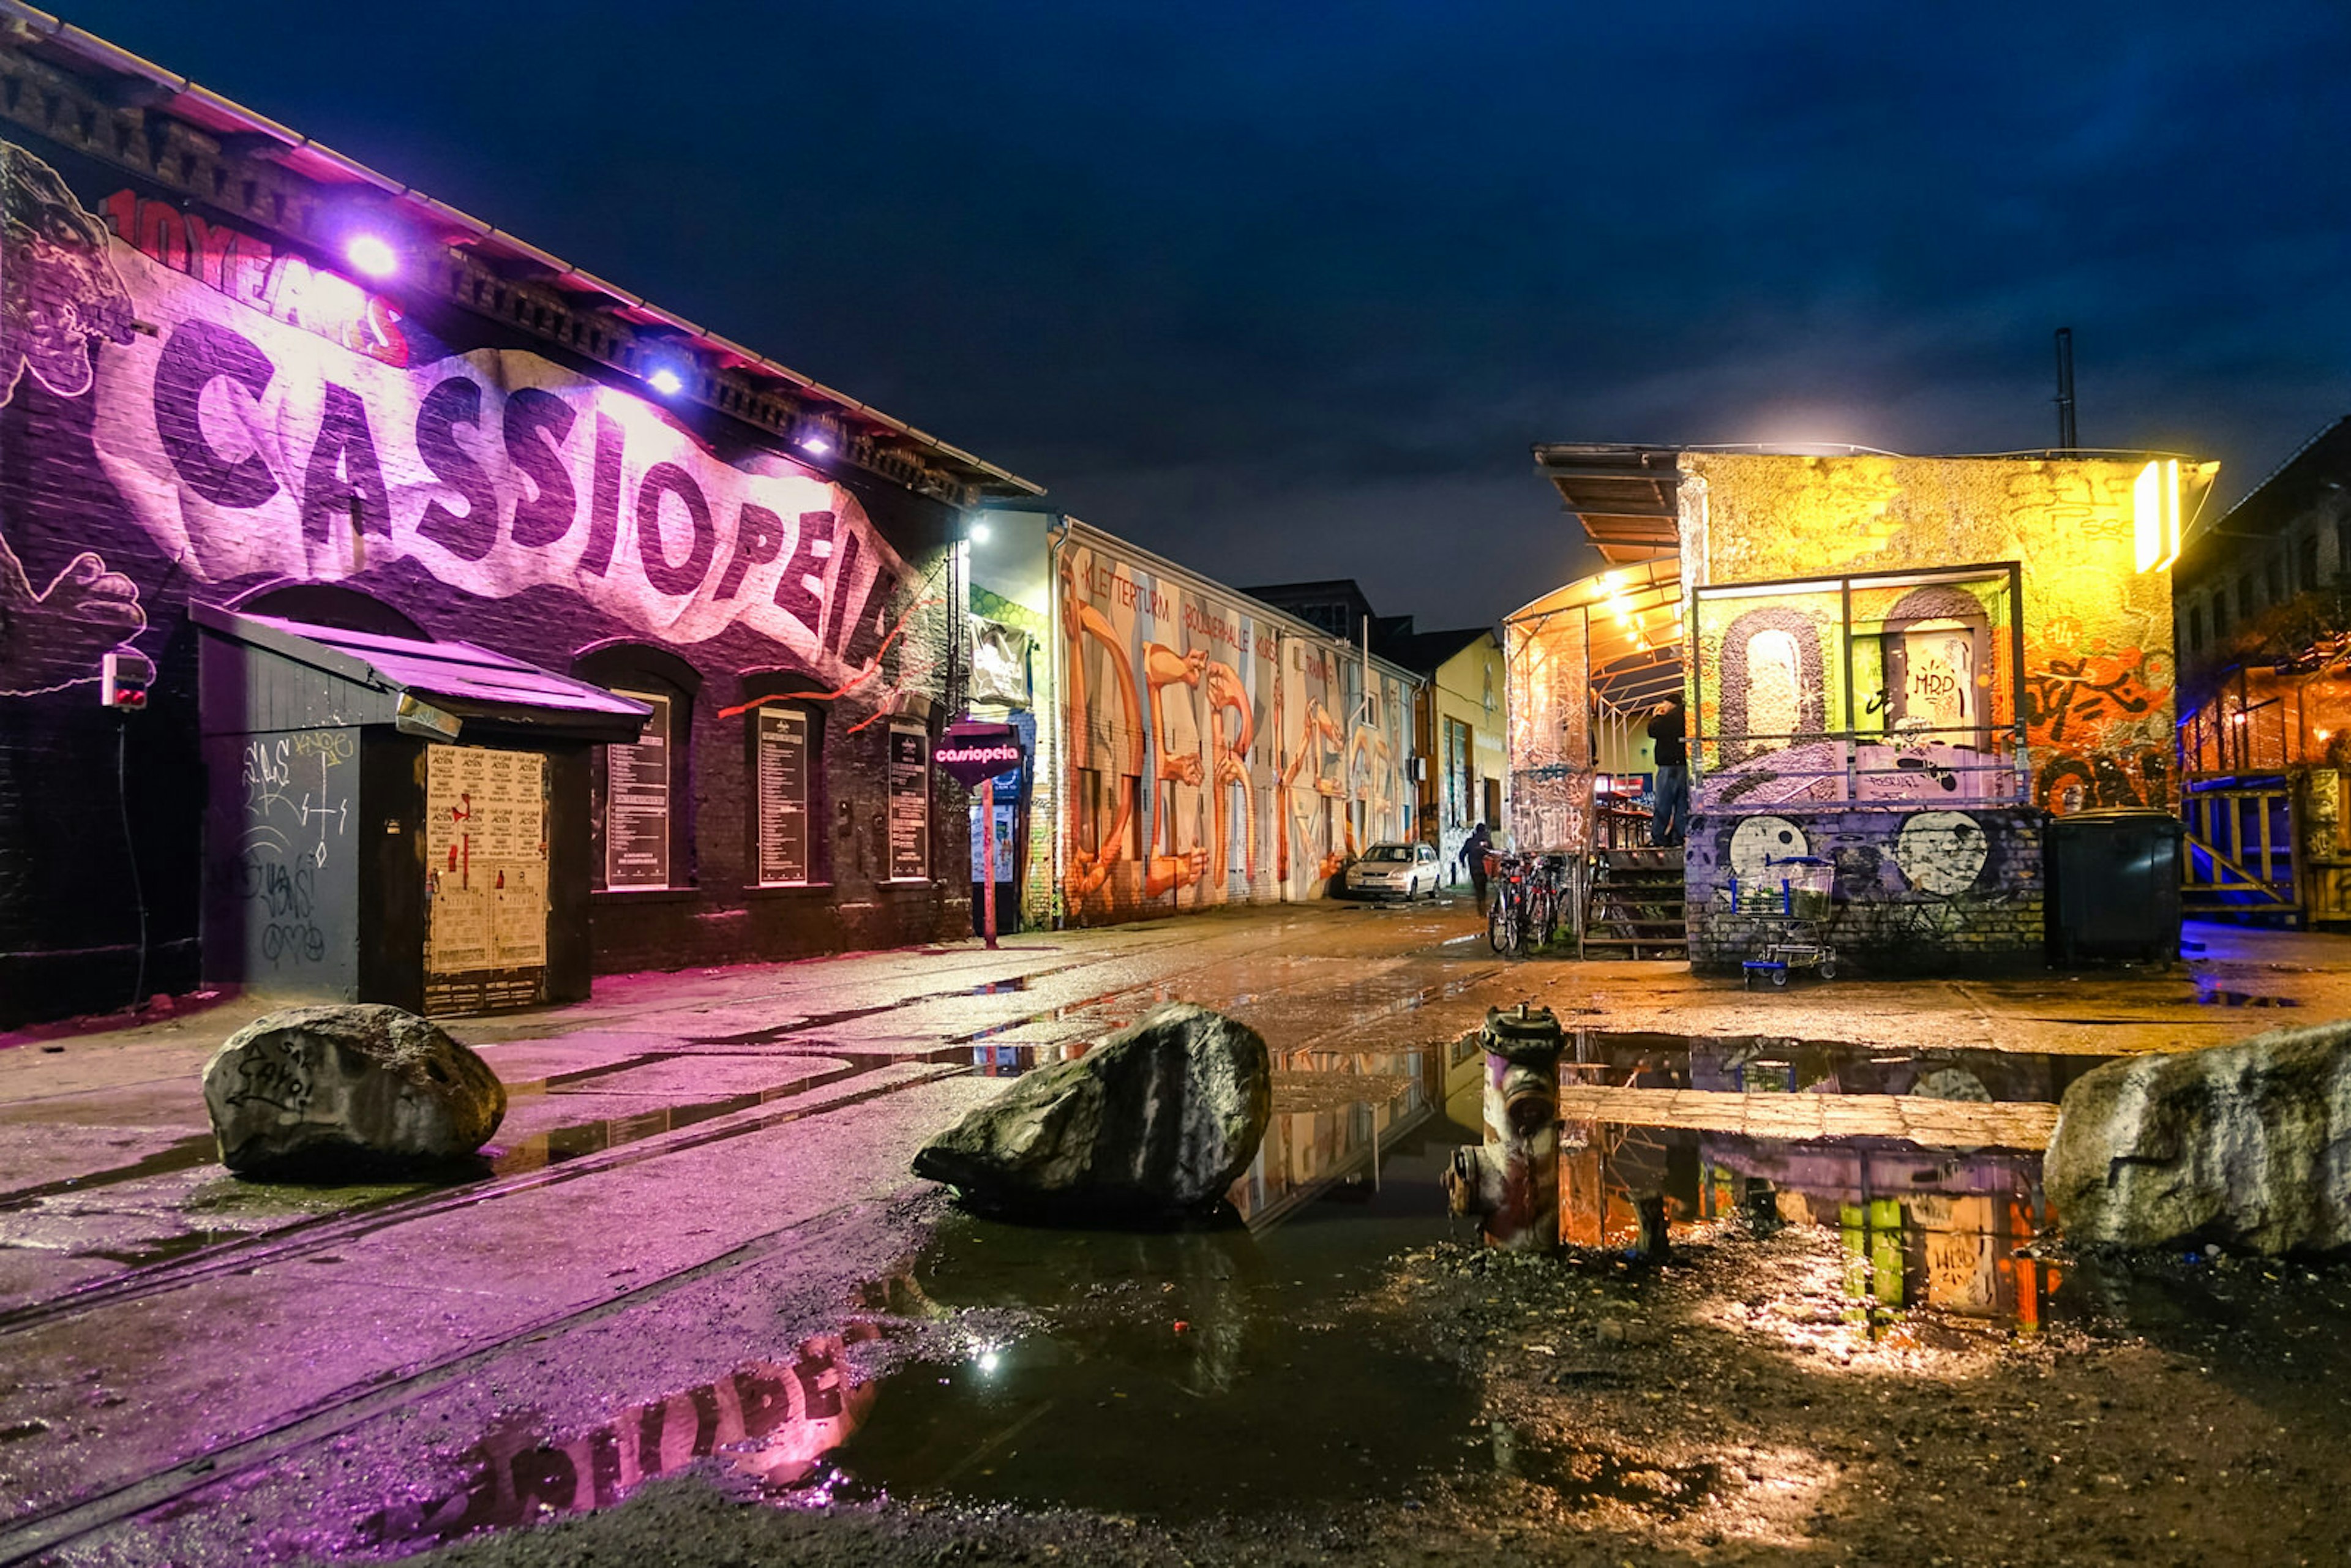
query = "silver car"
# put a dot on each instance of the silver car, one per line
(1395, 870)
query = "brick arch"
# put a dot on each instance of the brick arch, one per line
(1942, 601)
(1812, 699)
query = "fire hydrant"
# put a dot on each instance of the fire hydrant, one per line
(1512, 1180)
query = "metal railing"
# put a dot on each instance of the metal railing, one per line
(1750, 772)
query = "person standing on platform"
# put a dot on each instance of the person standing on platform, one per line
(1671, 817)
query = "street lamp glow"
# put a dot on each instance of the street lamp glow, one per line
(666, 381)
(979, 533)
(815, 445)
(371, 255)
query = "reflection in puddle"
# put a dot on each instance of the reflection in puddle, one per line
(1947, 1229)
(2215, 996)
(769, 1421)
(1762, 1064)
(1143, 1374)
(556, 1144)
(1182, 1372)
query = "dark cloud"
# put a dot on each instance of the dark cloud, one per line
(1287, 290)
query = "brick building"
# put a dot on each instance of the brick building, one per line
(1896, 666)
(555, 613)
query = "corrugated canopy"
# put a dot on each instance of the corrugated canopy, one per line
(1626, 496)
(1633, 634)
(461, 679)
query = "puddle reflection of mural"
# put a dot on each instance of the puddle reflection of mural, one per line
(1326, 1129)
(1918, 1227)
(769, 1421)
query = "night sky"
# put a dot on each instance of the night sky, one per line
(1287, 290)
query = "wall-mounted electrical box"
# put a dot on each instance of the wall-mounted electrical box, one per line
(123, 679)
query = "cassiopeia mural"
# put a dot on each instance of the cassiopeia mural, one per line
(1215, 755)
(261, 419)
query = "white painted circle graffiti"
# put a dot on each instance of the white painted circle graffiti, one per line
(1941, 852)
(1760, 839)
(1951, 1083)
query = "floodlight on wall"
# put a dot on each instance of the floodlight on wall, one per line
(371, 255)
(2155, 513)
(665, 380)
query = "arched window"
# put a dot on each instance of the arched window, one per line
(332, 604)
(641, 796)
(1937, 645)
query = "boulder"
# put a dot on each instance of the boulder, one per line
(1154, 1123)
(361, 1083)
(2246, 1144)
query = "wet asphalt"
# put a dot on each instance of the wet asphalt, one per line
(692, 1277)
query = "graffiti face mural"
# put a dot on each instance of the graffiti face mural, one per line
(1757, 841)
(1214, 755)
(1941, 852)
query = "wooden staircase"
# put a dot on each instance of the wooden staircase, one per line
(1633, 906)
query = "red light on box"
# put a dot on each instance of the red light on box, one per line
(122, 681)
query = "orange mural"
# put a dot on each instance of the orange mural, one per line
(1192, 718)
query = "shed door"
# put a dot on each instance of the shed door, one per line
(485, 879)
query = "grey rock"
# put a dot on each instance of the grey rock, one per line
(1157, 1121)
(358, 1081)
(2246, 1144)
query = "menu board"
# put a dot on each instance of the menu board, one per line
(636, 802)
(782, 740)
(484, 878)
(910, 805)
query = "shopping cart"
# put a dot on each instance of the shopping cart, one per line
(1792, 900)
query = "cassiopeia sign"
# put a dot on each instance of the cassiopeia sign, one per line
(254, 430)
(971, 751)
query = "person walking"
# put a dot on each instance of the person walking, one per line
(1474, 851)
(1669, 818)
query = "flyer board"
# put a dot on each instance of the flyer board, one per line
(485, 879)
(636, 802)
(910, 805)
(783, 779)
(1007, 826)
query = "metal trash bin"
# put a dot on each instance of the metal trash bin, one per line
(2114, 886)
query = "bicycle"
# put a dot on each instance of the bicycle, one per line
(1547, 898)
(1516, 912)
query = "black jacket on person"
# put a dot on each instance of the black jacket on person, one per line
(1474, 849)
(1667, 729)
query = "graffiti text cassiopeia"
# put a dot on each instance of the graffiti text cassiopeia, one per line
(251, 446)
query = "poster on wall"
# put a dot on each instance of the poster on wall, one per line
(1007, 814)
(910, 805)
(782, 740)
(636, 802)
(485, 879)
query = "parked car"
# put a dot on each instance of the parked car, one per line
(1395, 870)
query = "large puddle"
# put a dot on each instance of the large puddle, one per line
(1248, 1368)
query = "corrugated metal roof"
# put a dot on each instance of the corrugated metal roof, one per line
(463, 677)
